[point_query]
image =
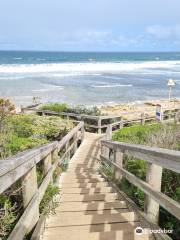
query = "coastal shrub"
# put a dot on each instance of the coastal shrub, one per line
(10, 209)
(19, 133)
(19, 144)
(6, 111)
(81, 109)
(56, 107)
(29, 131)
(22, 125)
(77, 109)
(47, 204)
(51, 127)
(135, 134)
(7, 217)
(157, 135)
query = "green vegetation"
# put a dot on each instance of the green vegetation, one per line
(19, 133)
(29, 131)
(6, 109)
(56, 107)
(47, 204)
(7, 216)
(78, 109)
(135, 134)
(158, 135)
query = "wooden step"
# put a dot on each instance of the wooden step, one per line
(112, 235)
(81, 170)
(81, 176)
(81, 166)
(88, 197)
(88, 209)
(87, 190)
(83, 206)
(84, 185)
(90, 180)
(95, 228)
(104, 211)
(78, 218)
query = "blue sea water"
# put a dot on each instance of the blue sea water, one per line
(87, 78)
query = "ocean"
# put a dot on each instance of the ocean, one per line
(87, 78)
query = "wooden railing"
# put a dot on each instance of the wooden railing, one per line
(156, 159)
(166, 117)
(100, 123)
(23, 167)
(92, 123)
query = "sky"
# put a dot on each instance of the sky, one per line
(90, 25)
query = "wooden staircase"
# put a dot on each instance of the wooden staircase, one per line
(88, 208)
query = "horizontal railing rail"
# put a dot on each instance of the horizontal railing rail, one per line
(100, 123)
(23, 167)
(166, 158)
(91, 122)
(156, 159)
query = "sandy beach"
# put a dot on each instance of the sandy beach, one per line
(135, 109)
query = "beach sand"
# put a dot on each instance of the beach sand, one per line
(135, 109)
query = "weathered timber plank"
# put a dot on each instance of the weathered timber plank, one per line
(16, 171)
(169, 204)
(166, 158)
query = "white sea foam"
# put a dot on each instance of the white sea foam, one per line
(85, 68)
(11, 77)
(74, 74)
(48, 88)
(113, 77)
(17, 58)
(112, 85)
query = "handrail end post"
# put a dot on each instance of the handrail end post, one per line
(153, 177)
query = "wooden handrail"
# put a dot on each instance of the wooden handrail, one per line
(157, 159)
(23, 166)
(99, 126)
(166, 158)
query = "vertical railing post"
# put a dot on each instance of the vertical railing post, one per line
(75, 142)
(177, 117)
(108, 136)
(162, 117)
(121, 125)
(118, 159)
(22, 109)
(29, 185)
(55, 154)
(99, 125)
(153, 178)
(47, 163)
(143, 118)
(82, 132)
(29, 189)
(67, 150)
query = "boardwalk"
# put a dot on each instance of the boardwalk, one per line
(88, 208)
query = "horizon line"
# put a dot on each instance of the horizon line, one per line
(72, 51)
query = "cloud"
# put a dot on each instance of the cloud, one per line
(164, 32)
(151, 38)
(98, 38)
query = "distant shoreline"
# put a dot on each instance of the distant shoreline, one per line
(130, 108)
